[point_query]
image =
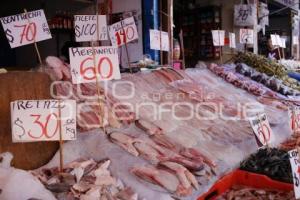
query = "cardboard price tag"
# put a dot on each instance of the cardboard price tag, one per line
(86, 28)
(155, 40)
(294, 116)
(19, 31)
(82, 64)
(218, 37)
(232, 41)
(246, 36)
(37, 120)
(262, 129)
(123, 32)
(295, 165)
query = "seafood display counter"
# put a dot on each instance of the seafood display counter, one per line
(168, 135)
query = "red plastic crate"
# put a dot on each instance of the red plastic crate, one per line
(240, 177)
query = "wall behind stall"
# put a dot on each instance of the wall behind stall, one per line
(227, 21)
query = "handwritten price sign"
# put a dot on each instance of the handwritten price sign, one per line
(82, 64)
(262, 129)
(38, 120)
(19, 31)
(246, 36)
(294, 116)
(218, 37)
(155, 40)
(123, 32)
(86, 28)
(232, 43)
(295, 164)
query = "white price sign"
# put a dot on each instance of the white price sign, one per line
(283, 43)
(155, 40)
(232, 42)
(295, 40)
(246, 36)
(38, 120)
(295, 165)
(218, 37)
(23, 29)
(82, 64)
(245, 15)
(262, 129)
(294, 116)
(86, 28)
(276, 40)
(123, 32)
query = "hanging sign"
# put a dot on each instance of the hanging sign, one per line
(38, 120)
(218, 37)
(155, 40)
(246, 36)
(294, 116)
(232, 43)
(295, 40)
(262, 129)
(123, 32)
(295, 165)
(86, 28)
(245, 15)
(82, 64)
(26, 28)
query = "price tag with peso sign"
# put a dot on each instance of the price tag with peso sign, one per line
(245, 15)
(26, 28)
(38, 120)
(86, 28)
(295, 165)
(262, 129)
(123, 32)
(82, 64)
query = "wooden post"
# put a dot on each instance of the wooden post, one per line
(160, 29)
(221, 60)
(182, 48)
(35, 44)
(61, 142)
(100, 102)
(170, 30)
(126, 49)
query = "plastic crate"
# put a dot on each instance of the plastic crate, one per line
(240, 177)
